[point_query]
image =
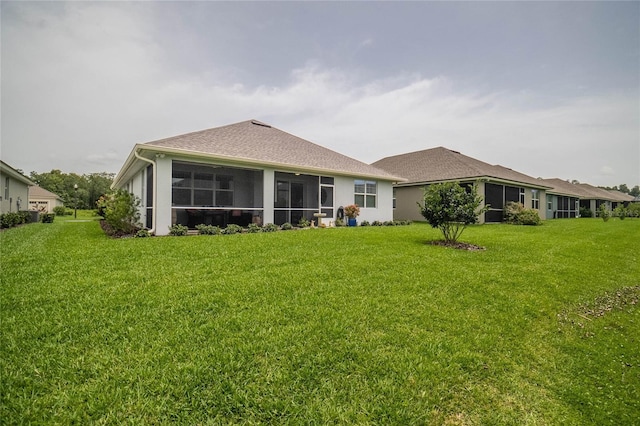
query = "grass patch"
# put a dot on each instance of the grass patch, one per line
(365, 325)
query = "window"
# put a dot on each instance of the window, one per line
(521, 198)
(194, 186)
(535, 199)
(365, 193)
(549, 202)
(6, 188)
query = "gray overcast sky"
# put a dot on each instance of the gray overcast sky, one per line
(550, 89)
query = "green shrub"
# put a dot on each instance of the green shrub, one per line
(365, 223)
(24, 216)
(585, 212)
(207, 229)
(178, 230)
(270, 227)
(253, 228)
(517, 214)
(389, 223)
(620, 211)
(60, 210)
(9, 220)
(603, 212)
(376, 223)
(633, 210)
(232, 229)
(339, 223)
(304, 223)
(120, 211)
(47, 217)
(450, 207)
(286, 226)
(143, 233)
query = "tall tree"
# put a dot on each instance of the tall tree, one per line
(89, 186)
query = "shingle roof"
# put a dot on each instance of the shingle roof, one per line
(39, 192)
(10, 171)
(592, 192)
(620, 196)
(562, 187)
(255, 141)
(442, 164)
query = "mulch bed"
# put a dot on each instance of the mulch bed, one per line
(458, 246)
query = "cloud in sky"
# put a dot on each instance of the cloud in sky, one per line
(82, 83)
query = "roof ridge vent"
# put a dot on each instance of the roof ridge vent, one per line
(259, 123)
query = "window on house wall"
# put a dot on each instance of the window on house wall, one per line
(521, 197)
(365, 193)
(535, 199)
(6, 188)
(549, 202)
(201, 186)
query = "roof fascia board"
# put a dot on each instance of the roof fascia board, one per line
(7, 169)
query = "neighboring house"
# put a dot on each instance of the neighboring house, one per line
(593, 197)
(563, 199)
(496, 184)
(249, 172)
(42, 200)
(620, 198)
(15, 189)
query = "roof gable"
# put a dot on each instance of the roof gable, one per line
(258, 142)
(39, 192)
(442, 164)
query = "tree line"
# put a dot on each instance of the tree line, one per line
(635, 191)
(90, 186)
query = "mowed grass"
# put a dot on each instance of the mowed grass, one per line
(344, 326)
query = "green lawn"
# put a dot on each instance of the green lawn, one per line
(349, 326)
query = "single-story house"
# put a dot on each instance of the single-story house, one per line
(620, 198)
(15, 189)
(563, 199)
(43, 201)
(496, 184)
(249, 172)
(593, 197)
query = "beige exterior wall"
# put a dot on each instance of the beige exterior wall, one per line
(14, 194)
(407, 197)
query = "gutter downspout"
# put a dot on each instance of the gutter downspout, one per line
(155, 189)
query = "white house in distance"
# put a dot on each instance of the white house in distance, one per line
(15, 189)
(43, 201)
(249, 172)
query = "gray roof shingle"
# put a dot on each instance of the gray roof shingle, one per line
(255, 141)
(442, 164)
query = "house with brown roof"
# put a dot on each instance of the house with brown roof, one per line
(15, 189)
(593, 197)
(496, 184)
(249, 172)
(43, 201)
(563, 199)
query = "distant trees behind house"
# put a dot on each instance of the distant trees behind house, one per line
(90, 186)
(635, 191)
